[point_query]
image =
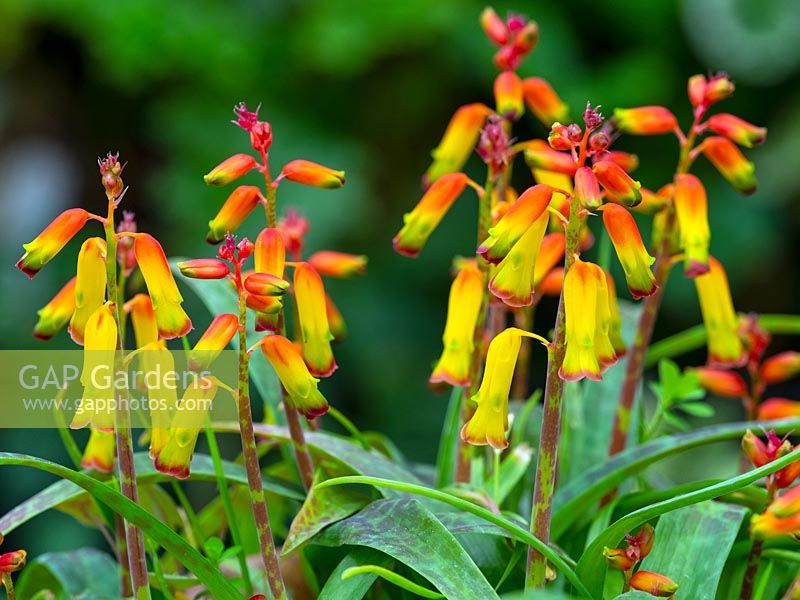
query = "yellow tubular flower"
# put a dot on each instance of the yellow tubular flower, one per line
(692, 212)
(316, 334)
(463, 309)
(270, 258)
(295, 377)
(49, 242)
(56, 313)
(90, 285)
(143, 317)
(604, 349)
(458, 141)
(513, 278)
(581, 288)
(100, 451)
(630, 250)
(213, 341)
(725, 348)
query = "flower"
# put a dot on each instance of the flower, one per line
(494, 27)
(637, 547)
(49, 242)
(329, 263)
(606, 352)
(270, 258)
(629, 162)
(761, 453)
(143, 317)
(294, 375)
(204, 268)
(696, 89)
(56, 313)
(539, 155)
(725, 347)
(780, 367)
(260, 131)
(653, 583)
(787, 504)
(645, 120)
(264, 284)
(313, 321)
(11, 562)
(730, 162)
(508, 95)
(630, 250)
(100, 451)
(463, 311)
(778, 408)
(311, 174)
(587, 188)
(737, 130)
(237, 207)
(551, 253)
(213, 341)
(552, 283)
(426, 216)
(692, 212)
(90, 285)
(719, 87)
(727, 384)
(458, 141)
(581, 290)
(618, 185)
(513, 280)
(767, 526)
(543, 101)
(171, 319)
(230, 169)
(617, 558)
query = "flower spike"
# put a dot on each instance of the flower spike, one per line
(725, 347)
(236, 209)
(731, 163)
(311, 174)
(692, 212)
(316, 334)
(630, 250)
(90, 285)
(580, 311)
(56, 313)
(295, 377)
(51, 240)
(458, 141)
(543, 101)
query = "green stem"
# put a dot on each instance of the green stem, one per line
(349, 426)
(9, 585)
(159, 573)
(194, 523)
(754, 558)
(394, 578)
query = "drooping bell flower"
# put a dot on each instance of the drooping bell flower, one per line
(513, 278)
(726, 384)
(731, 163)
(604, 349)
(618, 185)
(551, 253)
(645, 120)
(508, 95)
(615, 328)
(539, 155)
(189, 419)
(270, 258)
(519, 218)
(213, 341)
(458, 141)
(543, 101)
(691, 208)
(587, 188)
(56, 313)
(654, 584)
(90, 285)
(313, 320)
(428, 213)
(230, 169)
(204, 268)
(737, 130)
(51, 240)
(580, 313)
(100, 451)
(335, 320)
(97, 405)
(778, 408)
(236, 209)
(463, 311)
(630, 250)
(768, 526)
(489, 423)
(725, 347)
(330, 263)
(143, 317)
(171, 319)
(299, 383)
(780, 367)
(311, 174)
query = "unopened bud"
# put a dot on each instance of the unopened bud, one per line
(653, 583)
(12, 561)
(508, 95)
(697, 89)
(559, 138)
(264, 284)
(110, 172)
(718, 88)
(617, 558)
(314, 175)
(204, 268)
(587, 188)
(755, 449)
(230, 170)
(493, 26)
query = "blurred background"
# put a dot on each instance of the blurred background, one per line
(367, 87)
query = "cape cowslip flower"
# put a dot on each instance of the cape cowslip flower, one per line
(236, 209)
(587, 188)
(335, 320)
(171, 319)
(266, 305)
(725, 347)
(329, 263)
(264, 284)
(737, 130)
(10, 562)
(630, 250)
(204, 268)
(90, 285)
(49, 242)
(100, 451)
(56, 313)
(489, 423)
(270, 258)
(645, 120)
(604, 349)
(787, 504)
(637, 547)
(213, 341)
(312, 174)
(519, 218)
(143, 317)
(581, 289)
(513, 280)
(552, 283)
(768, 526)
(551, 253)
(299, 383)
(463, 310)
(727, 384)
(731, 163)
(97, 405)
(615, 327)
(458, 141)
(618, 185)
(696, 89)
(543, 101)
(508, 95)
(761, 453)
(230, 170)
(692, 212)
(653, 583)
(778, 408)
(539, 155)
(187, 422)
(780, 367)
(313, 320)
(617, 558)
(428, 213)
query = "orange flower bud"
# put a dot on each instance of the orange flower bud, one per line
(237, 207)
(458, 141)
(587, 188)
(508, 95)
(551, 253)
(697, 89)
(787, 504)
(49, 242)
(335, 320)
(310, 173)
(737, 130)
(580, 313)
(552, 283)
(90, 285)
(329, 263)
(270, 257)
(143, 317)
(426, 216)
(100, 451)
(264, 305)
(617, 558)
(463, 310)
(691, 207)
(204, 268)
(645, 120)
(230, 169)
(539, 155)
(780, 367)
(718, 88)
(493, 26)
(316, 334)
(725, 347)
(213, 341)
(513, 278)
(755, 449)
(787, 475)
(619, 186)
(295, 377)
(629, 162)
(12, 561)
(630, 250)
(778, 408)
(731, 163)
(727, 384)
(264, 284)
(56, 313)
(768, 526)
(543, 101)
(653, 583)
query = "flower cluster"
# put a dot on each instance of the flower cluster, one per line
(625, 559)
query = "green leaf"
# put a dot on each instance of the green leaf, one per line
(580, 494)
(692, 545)
(447, 456)
(635, 595)
(213, 548)
(355, 588)
(697, 409)
(404, 529)
(86, 572)
(512, 470)
(216, 583)
(676, 422)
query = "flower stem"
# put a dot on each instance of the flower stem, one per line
(9, 585)
(754, 558)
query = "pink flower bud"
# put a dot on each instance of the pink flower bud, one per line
(697, 89)
(12, 561)
(587, 188)
(494, 27)
(204, 268)
(727, 384)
